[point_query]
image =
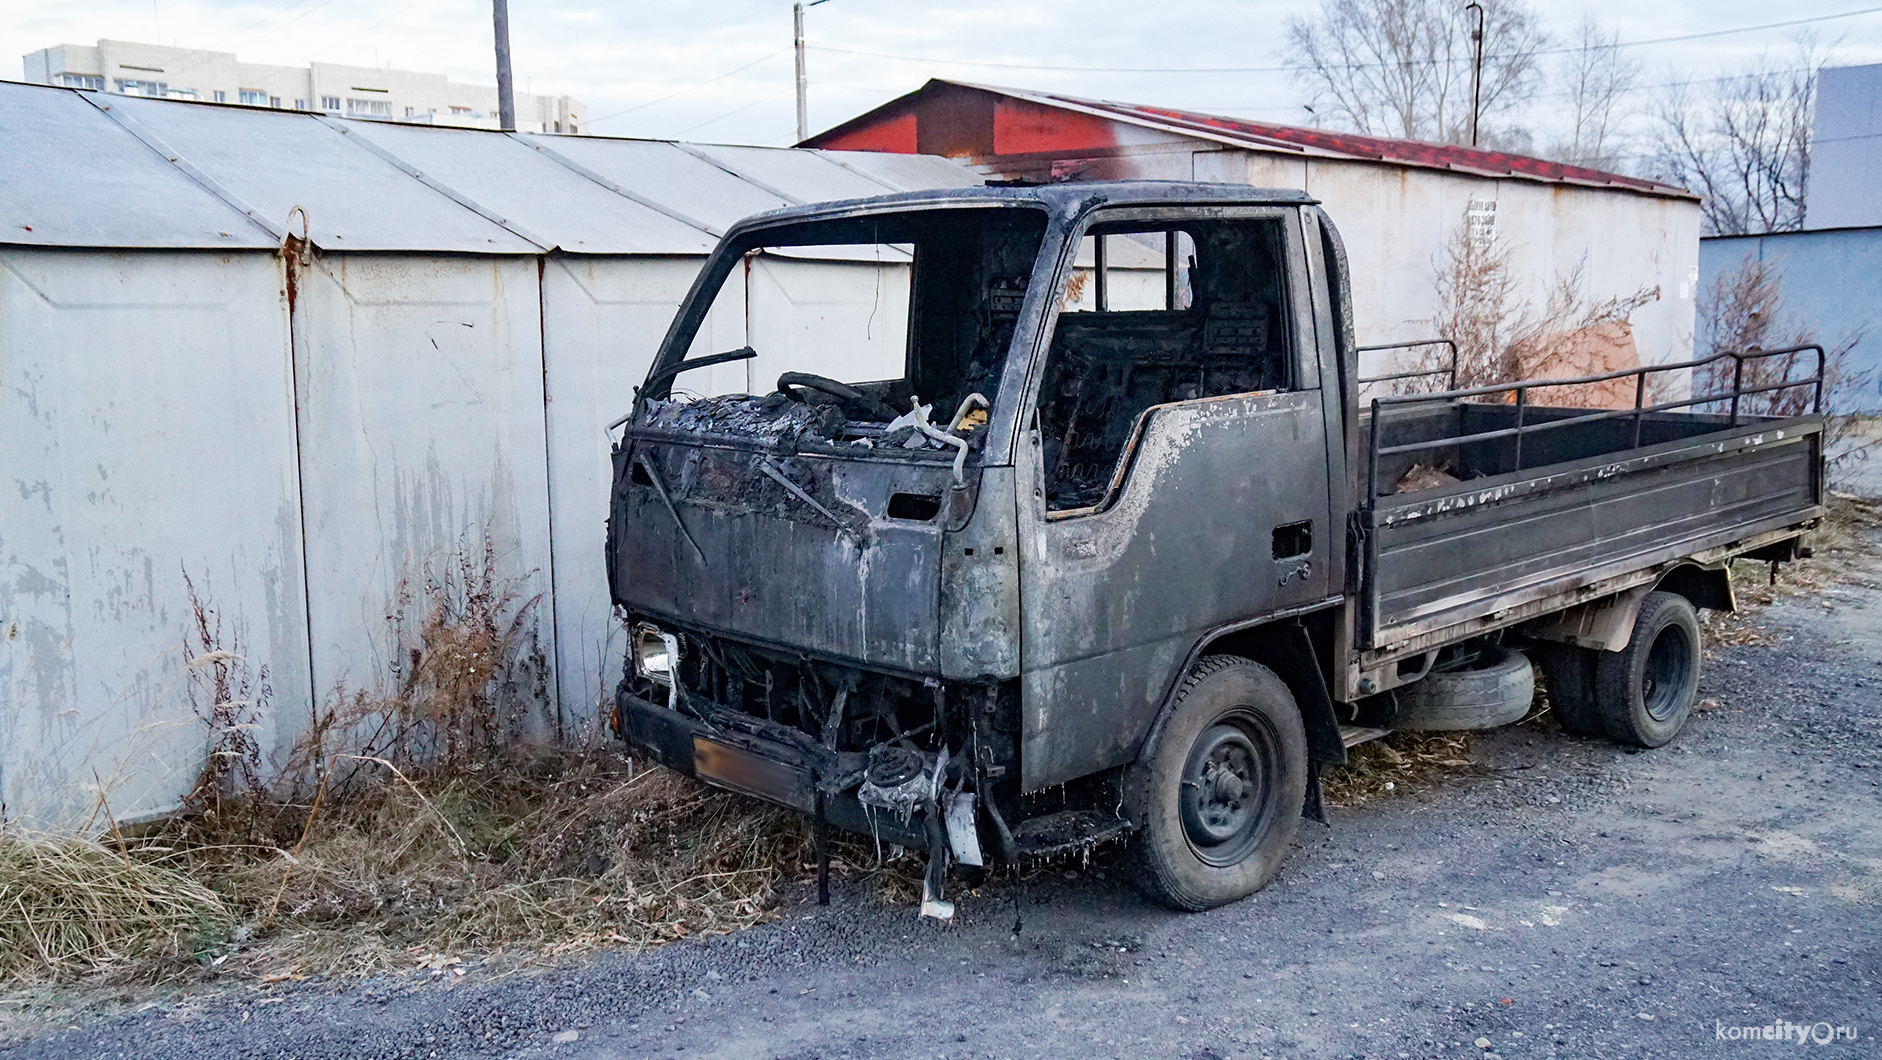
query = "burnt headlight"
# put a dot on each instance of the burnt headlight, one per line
(656, 654)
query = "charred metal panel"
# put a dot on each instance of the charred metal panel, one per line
(1446, 556)
(823, 568)
(1114, 600)
(980, 589)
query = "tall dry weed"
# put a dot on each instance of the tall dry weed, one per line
(433, 813)
(1745, 309)
(1503, 336)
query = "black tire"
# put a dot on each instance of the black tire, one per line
(1645, 691)
(1569, 671)
(1218, 794)
(1496, 691)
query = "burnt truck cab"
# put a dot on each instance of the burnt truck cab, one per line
(1008, 520)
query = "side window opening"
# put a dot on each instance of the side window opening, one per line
(1157, 313)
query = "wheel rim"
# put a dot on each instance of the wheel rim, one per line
(1227, 798)
(1667, 672)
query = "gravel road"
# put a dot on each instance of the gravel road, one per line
(1566, 899)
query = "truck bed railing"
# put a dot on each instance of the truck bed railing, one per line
(1450, 372)
(1733, 398)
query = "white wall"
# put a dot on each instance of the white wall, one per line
(146, 432)
(1396, 223)
(422, 433)
(149, 424)
(806, 315)
(1846, 149)
(603, 321)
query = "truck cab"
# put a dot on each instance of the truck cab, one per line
(1031, 518)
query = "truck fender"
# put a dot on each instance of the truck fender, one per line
(1608, 623)
(1287, 648)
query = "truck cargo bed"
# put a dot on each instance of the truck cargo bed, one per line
(1543, 508)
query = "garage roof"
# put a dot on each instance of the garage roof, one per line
(87, 169)
(953, 105)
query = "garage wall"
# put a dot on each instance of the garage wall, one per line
(146, 416)
(1396, 224)
(422, 437)
(603, 319)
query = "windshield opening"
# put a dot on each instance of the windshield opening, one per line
(887, 331)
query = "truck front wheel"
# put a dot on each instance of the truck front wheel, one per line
(1218, 794)
(1645, 691)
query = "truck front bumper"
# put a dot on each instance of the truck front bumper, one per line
(734, 751)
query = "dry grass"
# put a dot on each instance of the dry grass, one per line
(413, 822)
(1395, 766)
(544, 855)
(70, 906)
(539, 857)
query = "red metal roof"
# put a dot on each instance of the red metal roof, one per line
(1263, 136)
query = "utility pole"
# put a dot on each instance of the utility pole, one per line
(1476, 70)
(506, 95)
(804, 104)
(797, 36)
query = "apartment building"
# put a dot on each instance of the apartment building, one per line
(131, 69)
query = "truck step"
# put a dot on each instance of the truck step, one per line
(1354, 735)
(1067, 832)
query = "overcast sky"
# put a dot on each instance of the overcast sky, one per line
(643, 69)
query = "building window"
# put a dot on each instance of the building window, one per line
(411, 112)
(154, 89)
(183, 93)
(254, 97)
(329, 102)
(275, 102)
(368, 108)
(461, 112)
(221, 96)
(89, 82)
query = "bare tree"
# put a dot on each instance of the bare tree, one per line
(1501, 335)
(1743, 143)
(1745, 309)
(1402, 67)
(1597, 78)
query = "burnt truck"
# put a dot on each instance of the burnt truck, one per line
(1079, 524)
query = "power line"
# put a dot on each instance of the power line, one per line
(722, 117)
(689, 88)
(1344, 66)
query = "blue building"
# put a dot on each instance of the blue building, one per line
(1831, 281)
(1832, 270)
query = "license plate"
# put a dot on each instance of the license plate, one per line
(743, 771)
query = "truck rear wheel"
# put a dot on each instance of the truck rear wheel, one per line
(1569, 671)
(1218, 794)
(1645, 691)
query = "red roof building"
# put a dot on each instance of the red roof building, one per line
(1398, 203)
